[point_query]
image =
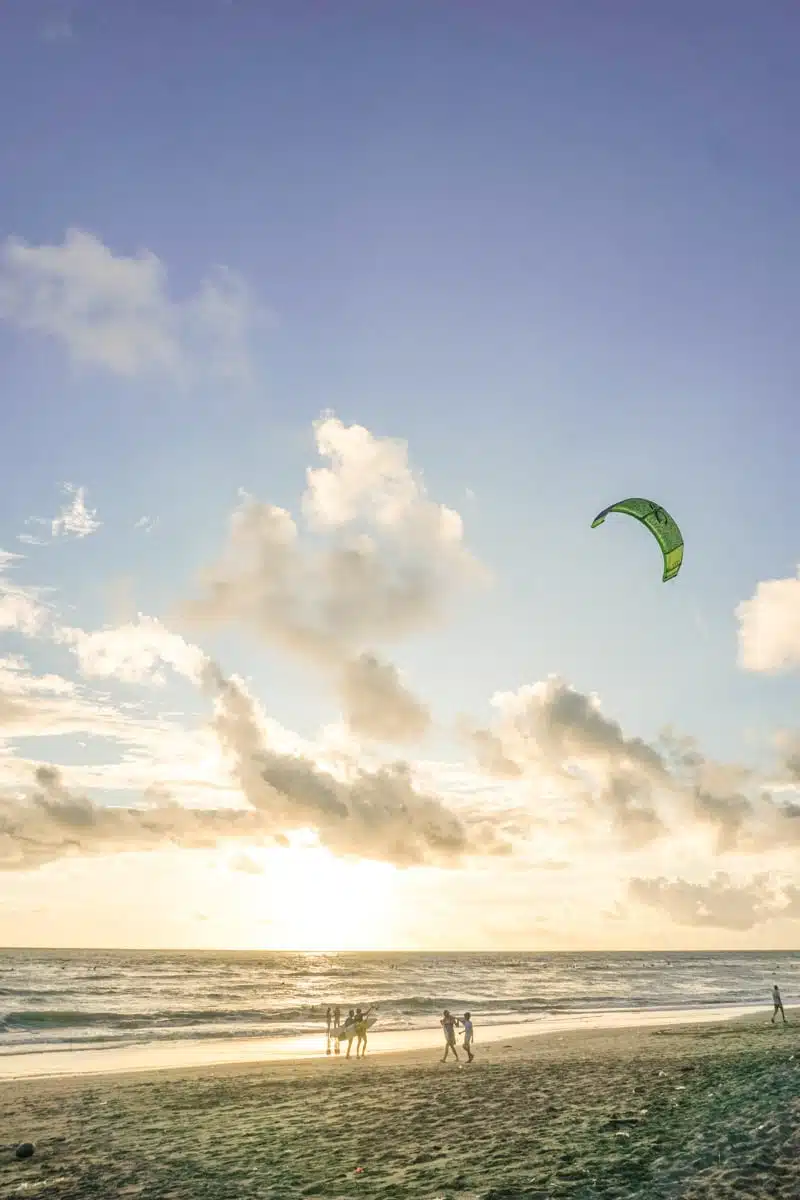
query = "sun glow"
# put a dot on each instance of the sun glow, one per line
(317, 901)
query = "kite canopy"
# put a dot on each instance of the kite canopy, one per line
(660, 524)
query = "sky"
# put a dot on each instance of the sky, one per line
(326, 329)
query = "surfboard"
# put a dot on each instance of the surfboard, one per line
(343, 1033)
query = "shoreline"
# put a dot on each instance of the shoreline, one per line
(628, 1113)
(394, 1045)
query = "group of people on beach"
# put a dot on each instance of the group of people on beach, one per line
(357, 1020)
(449, 1024)
(356, 1025)
(354, 1028)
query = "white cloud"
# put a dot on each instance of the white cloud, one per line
(769, 626)
(75, 519)
(34, 705)
(378, 705)
(21, 608)
(721, 903)
(115, 311)
(370, 814)
(389, 564)
(146, 524)
(555, 736)
(373, 559)
(134, 652)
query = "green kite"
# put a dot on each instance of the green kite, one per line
(660, 524)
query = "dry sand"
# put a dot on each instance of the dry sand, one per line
(680, 1112)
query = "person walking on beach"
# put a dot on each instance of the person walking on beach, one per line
(361, 1031)
(337, 1018)
(328, 1019)
(777, 1004)
(350, 1030)
(448, 1024)
(466, 1025)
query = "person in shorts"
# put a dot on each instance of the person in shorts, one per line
(350, 1030)
(361, 1031)
(448, 1024)
(466, 1025)
(777, 1005)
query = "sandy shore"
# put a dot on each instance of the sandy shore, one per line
(689, 1112)
(211, 1052)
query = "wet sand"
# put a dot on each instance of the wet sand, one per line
(212, 1052)
(683, 1111)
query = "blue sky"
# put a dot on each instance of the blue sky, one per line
(552, 248)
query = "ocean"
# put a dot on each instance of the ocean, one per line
(93, 999)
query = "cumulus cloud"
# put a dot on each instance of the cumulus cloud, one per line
(790, 751)
(373, 814)
(54, 822)
(550, 732)
(390, 563)
(720, 903)
(135, 652)
(21, 608)
(550, 724)
(115, 312)
(379, 815)
(377, 704)
(769, 626)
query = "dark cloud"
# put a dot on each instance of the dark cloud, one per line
(54, 823)
(376, 814)
(551, 733)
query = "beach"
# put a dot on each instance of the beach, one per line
(659, 1111)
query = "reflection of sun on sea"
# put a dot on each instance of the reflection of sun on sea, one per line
(317, 901)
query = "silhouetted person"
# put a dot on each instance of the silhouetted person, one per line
(466, 1025)
(350, 1030)
(777, 1004)
(448, 1024)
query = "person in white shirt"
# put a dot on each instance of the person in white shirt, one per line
(777, 1005)
(466, 1025)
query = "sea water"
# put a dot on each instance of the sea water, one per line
(53, 1000)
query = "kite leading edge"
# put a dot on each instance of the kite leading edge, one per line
(660, 524)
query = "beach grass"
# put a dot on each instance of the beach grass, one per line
(685, 1111)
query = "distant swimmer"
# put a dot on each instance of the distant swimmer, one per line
(777, 1005)
(466, 1025)
(448, 1024)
